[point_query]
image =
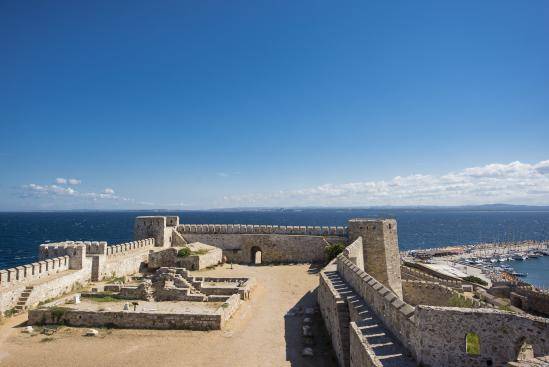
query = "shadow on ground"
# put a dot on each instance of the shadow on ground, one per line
(296, 342)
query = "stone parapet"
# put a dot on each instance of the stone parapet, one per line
(25, 274)
(124, 248)
(262, 229)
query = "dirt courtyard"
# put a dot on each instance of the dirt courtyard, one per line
(261, 333)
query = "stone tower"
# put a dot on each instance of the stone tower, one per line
(158, 227)
(380, 250)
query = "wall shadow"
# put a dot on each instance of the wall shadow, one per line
(320, 342)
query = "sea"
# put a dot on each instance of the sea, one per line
(22, 233)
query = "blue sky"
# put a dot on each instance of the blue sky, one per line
(202, 104)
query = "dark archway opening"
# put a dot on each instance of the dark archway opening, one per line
(256, 255)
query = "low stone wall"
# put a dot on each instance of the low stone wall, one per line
(162, 258)
(417, 292)
(361, 352)
(169, 258)
(416, 274)
(274, 248)
(228, 308)
(48, 287)
(66, 282)
(442, 331)
(536, 302)
(123, 265)
(125, 320)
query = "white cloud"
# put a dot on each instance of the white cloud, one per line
(515, 182)
(70, 181)
(56, 191)
(222, 174)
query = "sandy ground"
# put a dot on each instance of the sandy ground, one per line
(150, 307)
(259, 334)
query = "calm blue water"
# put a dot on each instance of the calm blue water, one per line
(21, 233)
(537, 269)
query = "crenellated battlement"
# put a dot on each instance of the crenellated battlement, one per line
(124, 248)
(263, 229)
(25, 274)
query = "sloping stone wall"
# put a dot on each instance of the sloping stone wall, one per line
(335, 313)
(397, 315)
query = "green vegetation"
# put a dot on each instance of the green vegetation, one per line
(58, 312)
(184, 252)
(472, 344)
(474, 279)
(457, 300)
(333, 250)
(505, 308)
(10, 312)
(103, 299)
(114, 280)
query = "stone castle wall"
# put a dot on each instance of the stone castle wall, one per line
(64, 265)
(442, 331)
(397, 315)
(126, 258)
(380, 250)
(433, 335)
(418, 292)
(13, 281)
(263, 229)
(335, 313)
(274, 248)
(26, 274)
(532, 300)
(159, 228)
(415, 274)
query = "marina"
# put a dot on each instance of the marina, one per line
(525, 262)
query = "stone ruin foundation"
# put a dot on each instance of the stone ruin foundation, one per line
(170, 298)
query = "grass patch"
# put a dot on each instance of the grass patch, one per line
(103, 299)
(184, 252)
(474, 279)
(457, 300)
(505, 308)
(472, 344)
(41, 303)
(333, 250)
(113, 280)
(46, 339)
